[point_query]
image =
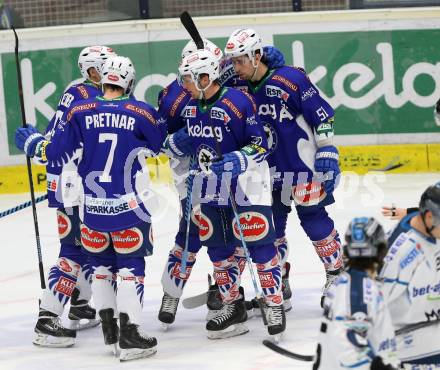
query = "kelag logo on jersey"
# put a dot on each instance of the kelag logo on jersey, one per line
(190, 111)
(198, 130)
(276, 91)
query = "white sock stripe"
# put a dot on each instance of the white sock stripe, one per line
(329, 155)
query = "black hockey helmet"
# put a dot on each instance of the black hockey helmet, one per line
(365, 238)
(430, 201)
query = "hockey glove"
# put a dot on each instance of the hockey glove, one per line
(29, 140)
(326, 163)
(179, 143)
(273, 57)
(234, 162)
(377, 364)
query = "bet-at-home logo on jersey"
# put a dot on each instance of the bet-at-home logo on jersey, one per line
(378, 82)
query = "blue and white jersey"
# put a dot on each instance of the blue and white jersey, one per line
(63, 182)
(227, 123)
(115, 136)
(296, 120)
(172, 101)
(411, 278)
(356, 326)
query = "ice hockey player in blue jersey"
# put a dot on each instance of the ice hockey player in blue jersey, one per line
(303, 159)
(172, 101)
(411, 276)
(356, 332)
(69, 278)
(226, 137)
(115, 133)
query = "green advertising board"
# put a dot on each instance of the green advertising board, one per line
(379, 82)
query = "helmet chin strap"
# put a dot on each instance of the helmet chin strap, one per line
(428, 229)
(202, 90)
(255, 67)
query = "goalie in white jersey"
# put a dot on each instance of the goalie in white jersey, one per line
(411, 276)
(356, 332)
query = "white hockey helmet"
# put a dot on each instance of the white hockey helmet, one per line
(243, 42)
(191, 47)
(118, 71)
(93, 56)
(200, 62)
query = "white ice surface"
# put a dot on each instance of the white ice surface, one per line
(184, 346)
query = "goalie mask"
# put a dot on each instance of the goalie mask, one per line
(191, 47)
(93, 57)
(118, 71)
(197, 64)
(365, 238)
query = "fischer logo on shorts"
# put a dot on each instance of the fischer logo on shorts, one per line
(64, 224)
(254, 226)
(127, 241)
(94, 241)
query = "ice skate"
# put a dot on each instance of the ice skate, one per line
(168, 309)
(331, 277)
(81, 314)
(49, 331)
(110, 329)
(229, 321)
(285, 288)
(276, 322)
(132, 342)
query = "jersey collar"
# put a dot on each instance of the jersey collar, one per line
(255, 85)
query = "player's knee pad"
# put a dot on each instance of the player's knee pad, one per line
(227, 277)
(69, 226)
(130, 294)
(316, 222)
(173, 278)
(269, 274)
(329, 251)
(104, 286)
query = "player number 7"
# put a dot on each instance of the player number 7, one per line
(105, 177)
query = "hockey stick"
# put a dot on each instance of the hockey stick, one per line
(189, 25)
(199, 299)
(28, 163)
(22, 206)
(188, 209)
(285, 352)
(409, 328)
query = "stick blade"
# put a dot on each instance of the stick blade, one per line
(189, 25)
(274, 347)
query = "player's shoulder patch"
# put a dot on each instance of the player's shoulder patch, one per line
(233, 107)
(180, 98)
(284, 79)
(80, 108)
(140, 109)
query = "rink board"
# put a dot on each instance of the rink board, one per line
(408, 158)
